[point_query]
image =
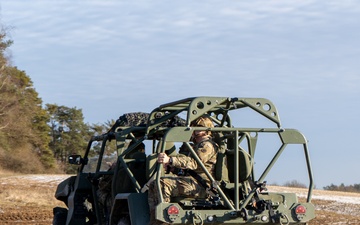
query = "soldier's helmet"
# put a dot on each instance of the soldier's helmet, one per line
(203, 122)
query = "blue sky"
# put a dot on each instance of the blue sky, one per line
(113, 57)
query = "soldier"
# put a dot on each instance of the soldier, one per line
(187, 185)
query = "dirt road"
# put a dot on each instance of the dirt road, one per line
(29, 199)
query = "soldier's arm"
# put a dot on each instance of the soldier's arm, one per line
(183, 162)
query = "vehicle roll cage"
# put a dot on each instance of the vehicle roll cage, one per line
(218, 109)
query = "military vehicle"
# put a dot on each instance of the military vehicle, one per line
(237, 196)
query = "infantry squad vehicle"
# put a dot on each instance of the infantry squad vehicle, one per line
(110, 187)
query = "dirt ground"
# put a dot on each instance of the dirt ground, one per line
(29, 199)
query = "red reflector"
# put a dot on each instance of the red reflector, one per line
(300, 209)
(173, 210)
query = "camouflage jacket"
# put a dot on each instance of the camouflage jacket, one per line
(207, 152)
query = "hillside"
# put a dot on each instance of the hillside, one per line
(28, 199)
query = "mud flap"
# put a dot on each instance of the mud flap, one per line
(135, 205)
(60, 215)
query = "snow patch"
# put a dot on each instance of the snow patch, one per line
(342, 197)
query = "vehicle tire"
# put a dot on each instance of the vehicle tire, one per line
(60, 215)
(124, 221)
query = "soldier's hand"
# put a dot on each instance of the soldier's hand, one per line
(163, 158)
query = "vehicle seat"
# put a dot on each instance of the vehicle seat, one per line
(221, 167)
(137, 166)
(245, 166)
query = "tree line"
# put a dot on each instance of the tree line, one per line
(36, 138)
(343, 187)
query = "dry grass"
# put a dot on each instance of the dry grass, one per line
(28, 199)
(26, 189)
(32, 195)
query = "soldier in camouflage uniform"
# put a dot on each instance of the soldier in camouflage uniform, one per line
(186, 185)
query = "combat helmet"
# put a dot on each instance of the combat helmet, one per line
(203, 122)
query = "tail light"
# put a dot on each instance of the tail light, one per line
(300, 209)
(173, 212)
(300, 212)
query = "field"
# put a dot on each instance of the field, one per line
(29, 199)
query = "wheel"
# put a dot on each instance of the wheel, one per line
(60, 215)
(124, 221)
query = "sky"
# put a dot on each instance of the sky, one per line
(113, 57)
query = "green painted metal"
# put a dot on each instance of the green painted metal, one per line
(241, 201)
